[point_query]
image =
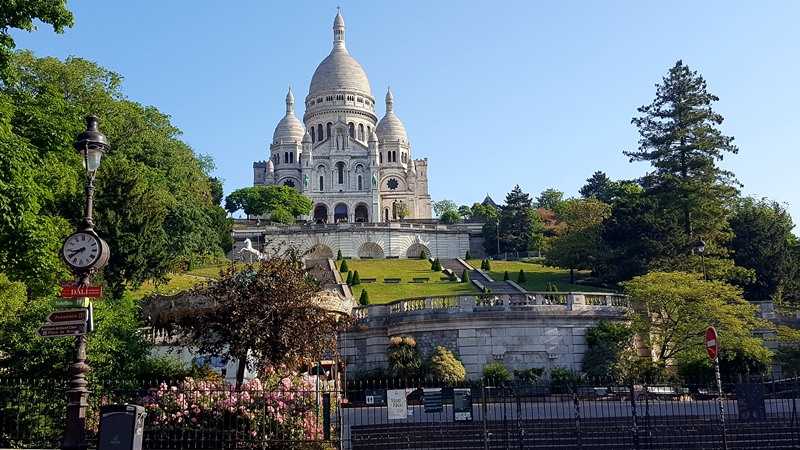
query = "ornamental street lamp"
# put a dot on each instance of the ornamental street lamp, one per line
(85, 253)
(701, 248)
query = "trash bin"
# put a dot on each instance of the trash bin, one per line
(121, 427)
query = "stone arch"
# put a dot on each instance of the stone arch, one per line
(370, 250)
(320, 251)
(321, 213)
(340, 213)
(361, 213)
(414, 250)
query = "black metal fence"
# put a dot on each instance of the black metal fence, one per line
(318, 414)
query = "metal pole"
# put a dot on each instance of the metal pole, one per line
(721, 408)
(485, 412)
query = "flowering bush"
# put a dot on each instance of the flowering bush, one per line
(277, 408)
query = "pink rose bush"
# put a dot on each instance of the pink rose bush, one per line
(275, 408)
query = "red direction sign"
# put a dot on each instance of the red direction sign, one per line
(82, 291)
(62, 329)
(69, 315)
(712, 343)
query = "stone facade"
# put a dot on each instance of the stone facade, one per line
(353, 167)
(524, 330)
(361, 240)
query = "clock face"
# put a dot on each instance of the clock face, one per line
(82, 250)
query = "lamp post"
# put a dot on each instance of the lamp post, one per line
(84, 252)
(701, 248)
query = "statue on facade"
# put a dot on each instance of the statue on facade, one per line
(305, 180)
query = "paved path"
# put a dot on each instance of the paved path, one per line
(497, 286)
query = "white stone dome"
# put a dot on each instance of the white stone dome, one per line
(390, 127)
(289, 128)
(339, 71)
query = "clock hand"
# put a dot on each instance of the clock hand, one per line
(77, 251)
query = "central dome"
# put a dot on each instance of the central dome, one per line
(339, 71)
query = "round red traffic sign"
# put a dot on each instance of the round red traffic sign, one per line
(712, 342)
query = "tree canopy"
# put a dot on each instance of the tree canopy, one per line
(282, 203)
(680, 139)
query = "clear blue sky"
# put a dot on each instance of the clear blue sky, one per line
(494, 94)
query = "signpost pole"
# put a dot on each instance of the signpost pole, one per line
(712, 347)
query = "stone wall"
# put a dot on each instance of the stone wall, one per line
(522, 330)
(361, 240)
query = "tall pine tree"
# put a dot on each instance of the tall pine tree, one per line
(518, 222)
(680, 139)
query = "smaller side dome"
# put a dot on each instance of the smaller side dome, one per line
(271, 167)
(306, 138)
(390, 127)
(289, 128)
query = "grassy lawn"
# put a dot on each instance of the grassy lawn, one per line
(406, 270)
(537, 276)
(177, 282)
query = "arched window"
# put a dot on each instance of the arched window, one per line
(319, 133)
(276, 159)
(360, 187)
(380, 157)
(329, 130)
(369, 130)
(340, 171)
(286, 157)
(313, 134)
(394, 156)
(361, 132)
(321, 183)
(351, 128)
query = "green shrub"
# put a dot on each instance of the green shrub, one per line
(445, 366)
(521, 276)
(468, 255)
(496, 373)
(339, 255)
(465, 276)
(505, 276)
(437, 265)
(488, 266)
(356, 279)
(403, 357)
(364, 299)
(423, 255)
(564, 378)
(349, 280)
(452, 276)
(528, 375)
(343, 267)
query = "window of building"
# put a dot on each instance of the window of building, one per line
(329, 131)
(319, 133)
(291, 157)
(351, 128)
(289, 183)
(340, 171)
(286, 157)
(313, 134)
(361, 132)
(360, 187)
(321, 183)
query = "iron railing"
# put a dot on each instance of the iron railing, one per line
(362, 415)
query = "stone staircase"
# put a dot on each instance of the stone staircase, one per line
(324, 271)
(477, 277)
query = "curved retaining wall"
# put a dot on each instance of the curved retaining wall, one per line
(520, 330)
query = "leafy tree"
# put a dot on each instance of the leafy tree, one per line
(580, 244)
(518, 223)
(465, 276)
(441, 206)
(343, 266)
(551, 199)
(598, 186)
(281, 203)
(496, 373)
(450, 217)
(363, 300)
(677, 307)
(788, 355)
(680, 139)
(403, 354)
(763, 241)
(261, 317)
(401, 210)
(21, 15)
(483, 212)
(606, 344)
(465, 212)
(445, 366)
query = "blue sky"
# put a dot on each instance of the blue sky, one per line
(494, 94)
